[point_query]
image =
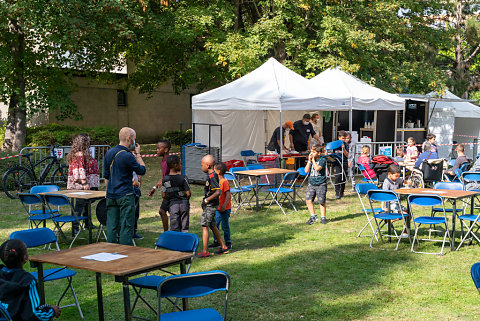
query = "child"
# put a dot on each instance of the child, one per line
(176, 191)
(224, 207)
(393, 182)
(431, 139)
(400, 153)
(341, 169)
(365, 160)
(411, 154)
(209, 205)
(18, 288)
(136, 181)
(163, 148)
(317, 184)
(351, 159)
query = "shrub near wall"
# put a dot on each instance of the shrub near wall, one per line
(55, 134)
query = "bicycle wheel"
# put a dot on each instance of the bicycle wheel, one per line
(417, 181)
(60, 176)
(17, 179)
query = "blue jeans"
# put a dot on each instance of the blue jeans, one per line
(222, 218)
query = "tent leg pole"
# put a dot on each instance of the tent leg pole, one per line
(281, 139)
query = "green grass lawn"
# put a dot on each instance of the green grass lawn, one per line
(283, 269)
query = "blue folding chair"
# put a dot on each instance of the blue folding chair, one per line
(43, 236)
(428, 200)
(333, 159)
(383, 219)
(366, 176)
(475, 273)
(456, 186)
(260, 185)
(249, 156)
(472, 183)
(362, 190)
(186, 286)
(35, 206)
(4, 315)
(169, 240)
(239, 193)
(59, 221)
(451, 162)
(284, 192)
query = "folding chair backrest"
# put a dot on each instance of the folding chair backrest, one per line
(432, 170)
(247, 153)
(451, 162)
(101, 212)
(382, 196)
(255, 166)
(334, 145)
(57, 199)
(465, 167)
(475, 272)
(428, 200)
(289, 178)
(363, 188)
(237, 169)
(301, 171)
(195, 285)
(44, 189)
(456, 186)
(177, 241)
(35, 237)
(30, 198)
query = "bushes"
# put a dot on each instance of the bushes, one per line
(62, 135)
(177, 137)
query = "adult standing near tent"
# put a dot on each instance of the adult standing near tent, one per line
(120, 163)
(274, 144)
(301, 134)
(318, 128)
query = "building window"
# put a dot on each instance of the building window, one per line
(121, 98)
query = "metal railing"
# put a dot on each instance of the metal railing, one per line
(40, 152)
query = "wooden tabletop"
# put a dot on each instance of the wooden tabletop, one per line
(446, 193)
(265, 171)
(82, 194)
(139, 258)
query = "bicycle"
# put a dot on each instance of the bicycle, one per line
(21, 178)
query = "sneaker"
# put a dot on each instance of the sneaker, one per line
(213, 245)
(229, 245)
(137, 236)
(202, 255)
(312, 220)
(221, 251)
(337, 197)
(323, 220)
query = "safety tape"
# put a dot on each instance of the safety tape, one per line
(444, 134)
(420, 145)
(156, 155)
(10, 156)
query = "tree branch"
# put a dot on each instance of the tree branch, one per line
(474, 53)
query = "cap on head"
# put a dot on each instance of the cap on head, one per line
(289, 124)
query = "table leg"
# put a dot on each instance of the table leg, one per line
(454, 216)
(100, 297)
(89, 220)
(183, 270)
(41, 283)
(256, 192)
(126, 298)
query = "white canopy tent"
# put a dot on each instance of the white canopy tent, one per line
(453, 118)
(251, 107)
(355, 94)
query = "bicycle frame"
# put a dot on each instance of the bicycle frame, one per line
(43, 175)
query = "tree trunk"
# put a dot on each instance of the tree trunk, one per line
(460, 77)
(16, 126)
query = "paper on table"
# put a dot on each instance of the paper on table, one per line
(433, 192)
(260, 171)
(79, 193)
(104, 257)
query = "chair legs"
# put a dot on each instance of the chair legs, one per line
(417, 238)
(77, 304)
(278, 200)
(378, 231)
(369, 222)
(469, 231)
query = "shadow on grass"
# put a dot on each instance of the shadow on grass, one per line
(315, 284)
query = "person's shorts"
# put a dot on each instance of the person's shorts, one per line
(208, 216)
(395, 207)
(179, 216)
(318, 191)
(165, 205)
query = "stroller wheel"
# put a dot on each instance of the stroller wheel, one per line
(417, 181)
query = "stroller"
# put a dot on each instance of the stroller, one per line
(381, 163)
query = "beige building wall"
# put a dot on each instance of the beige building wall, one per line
(150, 117)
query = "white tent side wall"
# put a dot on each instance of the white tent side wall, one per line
(442, 124)
(241, 130)
(468, 127)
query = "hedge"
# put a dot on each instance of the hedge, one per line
(55, 134)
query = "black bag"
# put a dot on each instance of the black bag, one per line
(432, 171)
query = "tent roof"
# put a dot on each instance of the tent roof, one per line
(347, 89)
(272, 86)
(460, 107)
